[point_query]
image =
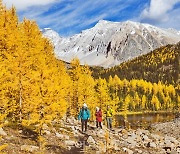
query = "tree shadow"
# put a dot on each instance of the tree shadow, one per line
(28, 133)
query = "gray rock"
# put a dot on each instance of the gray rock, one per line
(127, 150)
(114, 144)
(2, 132)
(145, 138)
(138, 131)
(72, 120)
(29, 148)
(152, 145)
(62, 136)
(167, 149)
(20, 131)
(178, 149)
(124, 132)
(45, 126)
(139, 151)
(101, 133)
(94, 147)
(171, 139)
(59, 135)
(66, 137)
(168, 143)
(156, 137)
(174, 152)
(116, 148)
(90, 140)
(47, 132)
(132, 141)
(70, 143)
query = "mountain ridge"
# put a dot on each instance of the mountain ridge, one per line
(161, 64)
(110, 43)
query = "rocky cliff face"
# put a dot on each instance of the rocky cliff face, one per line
(110, 43)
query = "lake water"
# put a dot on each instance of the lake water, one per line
(144, 120)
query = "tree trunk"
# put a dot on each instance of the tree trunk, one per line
(20, 100)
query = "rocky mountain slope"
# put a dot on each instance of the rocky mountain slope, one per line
(110, 43)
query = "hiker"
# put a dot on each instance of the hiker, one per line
(109, 114)
(84, 115)
(98, 115)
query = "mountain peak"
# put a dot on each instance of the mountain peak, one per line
(111, 43)
(103, 21)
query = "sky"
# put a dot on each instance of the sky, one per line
(69, 17)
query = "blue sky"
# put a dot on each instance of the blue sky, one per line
(69, 17)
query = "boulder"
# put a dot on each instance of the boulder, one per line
(132, 141)
(70, 143)
(142, 132)
(72, 120)
(168, 143)
(62, 136)
(90, 140)
(178, 149)
(171, 139)
(45, 126)
(145, 137)
(156, 137)
(167, 149)
(139, 151)
(66, 137)
(127, 150)
(94, 147)
(124, 132)
(116, 148)
(151, 145)
(102, 147)
(2, 132)
(114, 144)
(101, 133)
(29, 148)
(59, 135)
(20, 131)
(47, 132)
(78, 144)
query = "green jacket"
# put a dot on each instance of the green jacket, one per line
(109, 113)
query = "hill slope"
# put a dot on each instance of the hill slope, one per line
(162, 64)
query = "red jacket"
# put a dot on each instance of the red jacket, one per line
(98, 116)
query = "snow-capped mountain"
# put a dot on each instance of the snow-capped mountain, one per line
(53, 36)
(111, 43)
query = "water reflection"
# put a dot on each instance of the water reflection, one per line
(143, 120)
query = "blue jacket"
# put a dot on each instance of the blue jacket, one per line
(84, 114)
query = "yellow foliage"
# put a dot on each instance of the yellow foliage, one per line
(36, 88)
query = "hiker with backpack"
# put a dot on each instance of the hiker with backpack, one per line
(98, 115)
(84, 116)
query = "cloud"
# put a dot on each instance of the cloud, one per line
(158, 11)
(173, 21)
(71, 16)
(24, 4)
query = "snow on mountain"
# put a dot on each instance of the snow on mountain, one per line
(111, 43)
(54, 37)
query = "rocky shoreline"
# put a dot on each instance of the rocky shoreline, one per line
(67, 138)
